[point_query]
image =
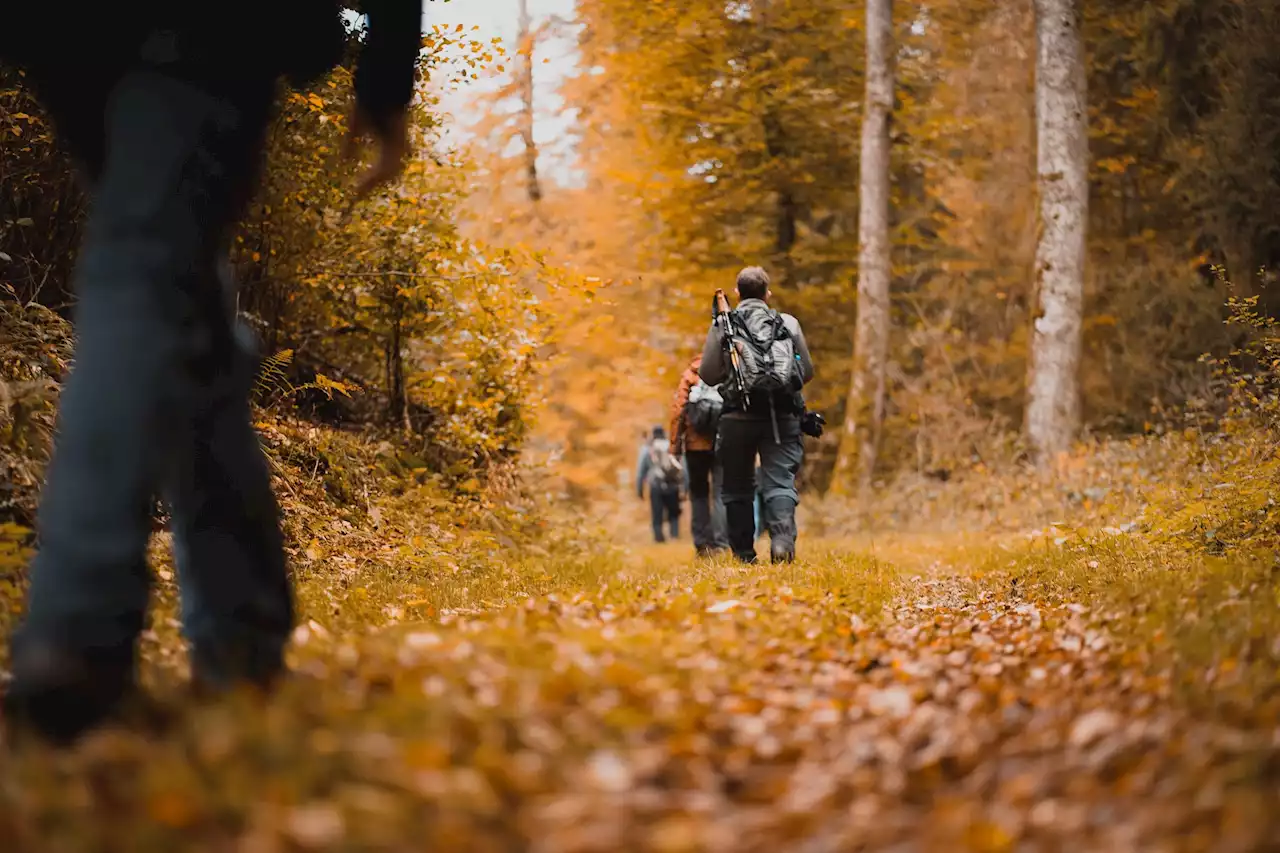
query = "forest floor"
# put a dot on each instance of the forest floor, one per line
(1084, 659)
(981, 691)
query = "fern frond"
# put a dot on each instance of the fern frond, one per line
(273, 378)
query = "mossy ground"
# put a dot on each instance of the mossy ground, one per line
(1084, 659)
(976, 690)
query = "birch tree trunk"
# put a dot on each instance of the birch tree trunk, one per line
(865, 410)
(526, 41)
(1053, 389)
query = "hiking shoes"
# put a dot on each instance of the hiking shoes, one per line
(58, 694)
(232, 663)
(782, 554)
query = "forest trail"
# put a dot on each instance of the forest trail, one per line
(912, 693)
(1057, 227)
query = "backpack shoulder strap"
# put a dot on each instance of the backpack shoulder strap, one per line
(781, 331)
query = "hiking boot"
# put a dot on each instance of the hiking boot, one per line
(782, 530)
(741, 523)
(780, 553)
(59, 694)
(206, 687)
(222, 668)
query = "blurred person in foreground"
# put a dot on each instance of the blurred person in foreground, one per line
(165, 107)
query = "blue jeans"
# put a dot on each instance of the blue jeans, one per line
(157, 403)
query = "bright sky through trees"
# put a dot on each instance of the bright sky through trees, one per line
(497, 19)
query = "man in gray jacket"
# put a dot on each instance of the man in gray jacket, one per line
(764, 424)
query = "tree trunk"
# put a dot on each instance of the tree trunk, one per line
(526, 42)
(779, 149)
(1053, 391)
(396, 396)
(776, 146)
(865, 410)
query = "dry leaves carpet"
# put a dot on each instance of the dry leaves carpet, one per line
(909, 694)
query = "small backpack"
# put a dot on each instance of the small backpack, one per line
(767, 353)
(665, 470)
(702, 412)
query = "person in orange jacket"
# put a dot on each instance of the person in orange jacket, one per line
(699, 451)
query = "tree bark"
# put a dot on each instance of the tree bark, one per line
(778, 147)
(864, 412)
(1053, 389)
(526, 41)
(787, 209)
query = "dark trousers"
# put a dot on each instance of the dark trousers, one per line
(158, 400)
(706, 503)
(743, 438)
(664, 509)
(758, 506)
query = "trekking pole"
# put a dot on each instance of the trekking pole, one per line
(724, 322)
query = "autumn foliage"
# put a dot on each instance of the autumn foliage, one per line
(982, 655)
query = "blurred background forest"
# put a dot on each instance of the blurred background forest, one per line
(519, 297)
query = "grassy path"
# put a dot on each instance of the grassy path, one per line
(905, 694)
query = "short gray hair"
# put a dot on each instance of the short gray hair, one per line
(753, 283)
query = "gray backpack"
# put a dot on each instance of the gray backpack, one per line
(665, 470)
(703, 409)
(768, 355)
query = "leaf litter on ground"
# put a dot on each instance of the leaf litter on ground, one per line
(706, 709)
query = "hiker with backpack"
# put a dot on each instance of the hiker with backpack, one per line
(661, 471)
(759, 359)
(695, 417)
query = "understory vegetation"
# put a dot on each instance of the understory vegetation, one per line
(981, 654)
(1014, 660)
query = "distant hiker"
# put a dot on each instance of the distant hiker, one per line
(646, 439)
(695, 417)
(662, 472)
(761, 382)
(165, 107)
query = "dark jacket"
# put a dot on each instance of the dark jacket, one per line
(715, 365)
(217, 44)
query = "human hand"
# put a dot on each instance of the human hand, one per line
(390, 137)
(812, 423)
